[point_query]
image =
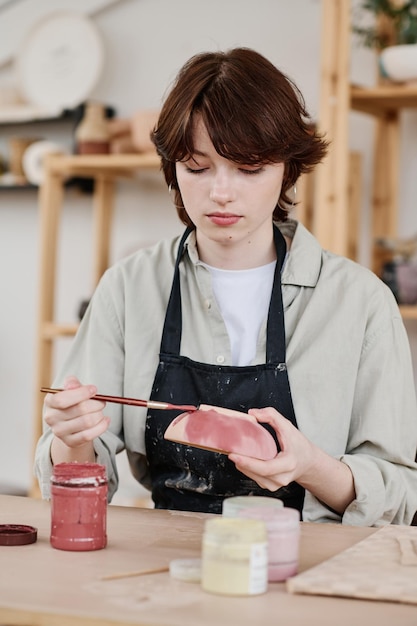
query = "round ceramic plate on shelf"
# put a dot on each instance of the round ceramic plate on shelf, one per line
(34, 156)
(60, 61)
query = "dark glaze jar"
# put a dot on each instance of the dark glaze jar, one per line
(79, 506)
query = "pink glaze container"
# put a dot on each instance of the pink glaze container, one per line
(79, 506)
(283, 531)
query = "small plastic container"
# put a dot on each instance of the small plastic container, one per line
(232, 506)
(234, 557)
(79, 506)
(283, 530)
(188, 570)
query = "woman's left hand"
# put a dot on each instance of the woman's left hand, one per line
(327, 478)
(290, 464)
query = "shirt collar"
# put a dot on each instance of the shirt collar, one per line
(190, 246)
(303, 263)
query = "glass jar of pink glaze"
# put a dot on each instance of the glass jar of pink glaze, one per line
(79, 506)
(283, 532)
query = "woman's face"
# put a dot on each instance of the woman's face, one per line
(230, 204)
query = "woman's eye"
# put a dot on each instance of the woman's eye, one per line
(196, 170)
(257, 170)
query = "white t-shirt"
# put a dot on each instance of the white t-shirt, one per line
(243, 298)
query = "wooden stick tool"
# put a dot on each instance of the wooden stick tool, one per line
(142, 572)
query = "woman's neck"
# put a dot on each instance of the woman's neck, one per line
(245, 255)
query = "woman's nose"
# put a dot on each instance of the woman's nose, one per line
(222, 190)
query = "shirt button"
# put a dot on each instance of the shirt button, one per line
(208, 304)
(220, 359)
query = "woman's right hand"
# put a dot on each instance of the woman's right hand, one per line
(75, 419)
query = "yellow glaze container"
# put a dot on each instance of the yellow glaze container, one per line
(235, 557)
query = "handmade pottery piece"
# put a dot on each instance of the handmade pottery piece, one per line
(399, 63)
(222, 430)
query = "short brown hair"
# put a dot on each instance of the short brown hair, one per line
(254, 114)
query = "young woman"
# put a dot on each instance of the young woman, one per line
(245, 311)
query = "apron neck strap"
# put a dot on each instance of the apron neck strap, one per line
(275, 329)
(171, 335)
(275, 334)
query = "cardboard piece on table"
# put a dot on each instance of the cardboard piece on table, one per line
(222, 430)
(372, 569)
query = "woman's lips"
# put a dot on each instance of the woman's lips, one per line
(224, 219)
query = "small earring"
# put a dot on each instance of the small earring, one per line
(169, 188)
(294, 196)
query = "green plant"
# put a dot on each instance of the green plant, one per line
(395, 23)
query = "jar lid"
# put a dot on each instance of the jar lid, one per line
(79, 474)
(235, 529)
(285, 518)
(232, 506)
(17, 534)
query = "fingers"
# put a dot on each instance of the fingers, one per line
(79, 434)
(74, 393)
(279, 471)
(71, 382)
(72, 398)
(272, 475)
(73, 415)
(269, 415)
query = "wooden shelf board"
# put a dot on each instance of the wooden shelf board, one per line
(110, 164)
(383, 98)
(51, 330)
(408, 311)
(14, 187)
(25, 115)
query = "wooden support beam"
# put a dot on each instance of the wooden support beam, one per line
(330, 224)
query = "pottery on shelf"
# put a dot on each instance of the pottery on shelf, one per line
(399, 63)
(92, 135)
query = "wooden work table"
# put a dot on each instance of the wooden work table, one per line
(41, 586)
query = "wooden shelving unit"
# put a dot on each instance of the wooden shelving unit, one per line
(105, 170)
(338, 98)
(409, 311)
(383, 98)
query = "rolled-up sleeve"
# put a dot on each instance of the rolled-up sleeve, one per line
(96, 357)
(383, 435)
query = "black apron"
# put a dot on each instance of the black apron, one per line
(191, 479)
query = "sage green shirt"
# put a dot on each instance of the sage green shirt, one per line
(348, 361)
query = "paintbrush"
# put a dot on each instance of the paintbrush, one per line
(150, 404)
